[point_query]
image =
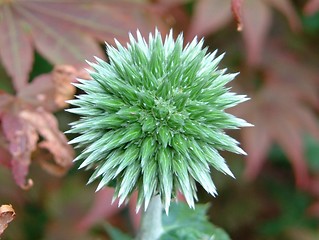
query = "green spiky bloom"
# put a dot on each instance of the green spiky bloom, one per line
(153, 119)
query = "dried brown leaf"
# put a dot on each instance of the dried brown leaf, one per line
(62, 77)
(51, 90)
(21, 131)
(53, 140)
(7, 214)
(46, 160)
(26, 117)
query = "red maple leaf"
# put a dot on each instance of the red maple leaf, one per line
(282, 111)
(64, 32)
(253, 16)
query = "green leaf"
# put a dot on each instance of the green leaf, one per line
(115, 234)
(312, 152)
(188, 224)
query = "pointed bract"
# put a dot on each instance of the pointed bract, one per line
(153, 119)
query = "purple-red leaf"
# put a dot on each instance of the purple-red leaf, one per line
(256, 19)
(26, 117)
(256, 141)
(254, 16)
(57, 43)
(5, 99)
(65, 31)
(22, 140)
(286, 8)
(102, 208)
(276, 122)
(311, 7)
(15, 48)
(281, 112)
(209, 16)
(236, 6)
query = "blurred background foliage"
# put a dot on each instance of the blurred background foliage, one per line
(43, 45)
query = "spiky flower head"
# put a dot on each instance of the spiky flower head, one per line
(153, 119)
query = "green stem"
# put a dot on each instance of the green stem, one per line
(151, 225)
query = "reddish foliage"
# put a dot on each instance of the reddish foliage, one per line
(103, 208)
(280, 114)
(22, 139)
(209, 16)
(14, 43)
(251, 15)
(236, 8)
(27, 116)
(293, 84)
(50, 27)
(283, 108)
(311, 7)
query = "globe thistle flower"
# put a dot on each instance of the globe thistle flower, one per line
(153, 119)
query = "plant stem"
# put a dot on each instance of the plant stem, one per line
(151, 225)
